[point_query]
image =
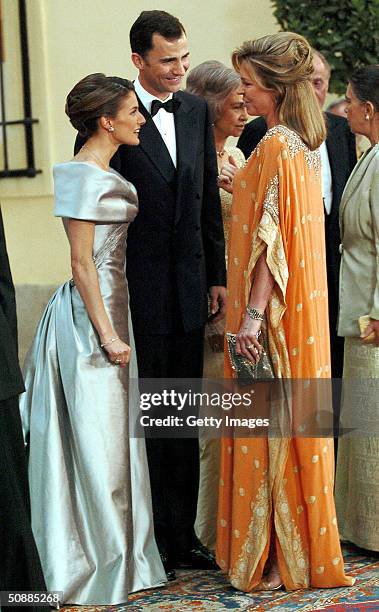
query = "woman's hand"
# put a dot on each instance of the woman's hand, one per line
(226, 176)
(372, 327)
(118, 352)
(247, 339)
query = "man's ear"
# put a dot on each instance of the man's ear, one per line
(138, 60)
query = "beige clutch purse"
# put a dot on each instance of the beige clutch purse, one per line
(363, 323)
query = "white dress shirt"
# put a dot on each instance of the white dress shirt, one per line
(162, 119)
(327, 187)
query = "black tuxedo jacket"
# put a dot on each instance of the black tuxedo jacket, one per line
(340, 143)
(175, 249)
(11, 383)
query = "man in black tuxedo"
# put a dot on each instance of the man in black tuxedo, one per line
(20, 568)
(338, 157)
(175, 257)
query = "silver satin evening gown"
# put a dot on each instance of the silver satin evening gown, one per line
(89, 481)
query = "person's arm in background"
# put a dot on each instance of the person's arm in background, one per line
(11, 383)
(212, 226)
(7, 293)
(374, 201)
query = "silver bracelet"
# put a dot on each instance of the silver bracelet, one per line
(109, 341)
(254, 314)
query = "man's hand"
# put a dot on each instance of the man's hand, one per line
(217, 296)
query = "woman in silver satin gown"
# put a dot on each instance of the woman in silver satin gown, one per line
(87, 474)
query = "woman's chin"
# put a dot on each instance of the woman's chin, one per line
(132, 141)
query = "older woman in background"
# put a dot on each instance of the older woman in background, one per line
(357, 481)
(221, 88)
(276, 518)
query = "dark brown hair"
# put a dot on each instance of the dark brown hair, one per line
(150, 23)
(365, 84)
(93, 97)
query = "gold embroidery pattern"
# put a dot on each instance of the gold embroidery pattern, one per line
(271, 201)
(268, 234)
(297, 558)
(255, 542)
(295, 145)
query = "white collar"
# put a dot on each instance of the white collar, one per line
(146, 97)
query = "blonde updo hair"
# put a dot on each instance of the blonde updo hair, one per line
(93, 97)
(282, 63)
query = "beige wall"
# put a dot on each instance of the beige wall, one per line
(72, 38)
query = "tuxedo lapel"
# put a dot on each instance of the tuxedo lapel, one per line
(152, 144)
(333, 146)
(187, 133)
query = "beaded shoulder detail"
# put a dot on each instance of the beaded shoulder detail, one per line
(294, 143)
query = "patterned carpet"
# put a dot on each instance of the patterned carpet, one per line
(209, 592)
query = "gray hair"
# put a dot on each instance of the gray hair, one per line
(323, 59)
(213, 81)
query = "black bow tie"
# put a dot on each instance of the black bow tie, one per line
(170, 106)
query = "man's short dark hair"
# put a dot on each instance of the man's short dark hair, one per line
(153, 22)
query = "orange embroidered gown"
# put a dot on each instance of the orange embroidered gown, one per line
(287, 481)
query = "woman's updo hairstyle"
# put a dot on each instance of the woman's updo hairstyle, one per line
(283, 63)
(93, 97)
(213, 81)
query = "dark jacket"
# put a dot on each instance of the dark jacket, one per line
(11, 382)
(175, 249)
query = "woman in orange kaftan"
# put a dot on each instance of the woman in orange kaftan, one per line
(276, 509)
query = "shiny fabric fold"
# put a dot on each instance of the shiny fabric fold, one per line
(86, 474)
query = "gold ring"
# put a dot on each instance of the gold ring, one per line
(117, 360)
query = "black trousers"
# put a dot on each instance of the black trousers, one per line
(20, 568)
(173, 463)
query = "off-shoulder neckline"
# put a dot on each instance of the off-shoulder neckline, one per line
(111, 171)
(74, 161)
